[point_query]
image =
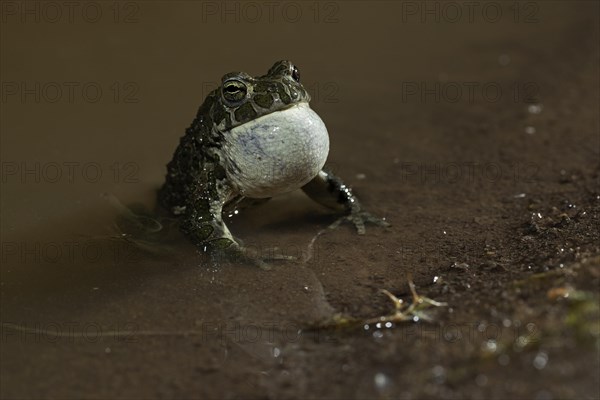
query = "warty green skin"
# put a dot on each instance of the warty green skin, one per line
(196, 184)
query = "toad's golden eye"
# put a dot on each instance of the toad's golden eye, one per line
(234, 91)
(295, 73)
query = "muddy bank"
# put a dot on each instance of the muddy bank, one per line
(493, 198)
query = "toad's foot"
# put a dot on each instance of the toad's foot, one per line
(329, 190)
(359, 217)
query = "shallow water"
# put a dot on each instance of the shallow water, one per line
(477, 139)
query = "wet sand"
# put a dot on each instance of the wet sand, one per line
(477, 139)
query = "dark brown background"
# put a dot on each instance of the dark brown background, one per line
(497, 200)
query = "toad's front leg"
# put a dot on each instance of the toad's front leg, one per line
(204, 225)
(329, 190)
(203, 221)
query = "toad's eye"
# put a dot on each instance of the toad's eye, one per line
(295, 74)
(234, 91)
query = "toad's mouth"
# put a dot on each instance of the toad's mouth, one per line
(277, 152)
